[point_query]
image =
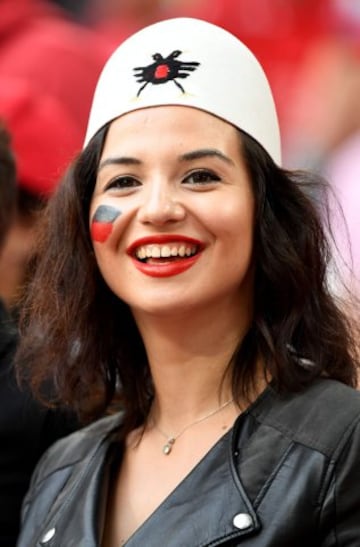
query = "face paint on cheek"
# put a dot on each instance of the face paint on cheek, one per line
(102, 222)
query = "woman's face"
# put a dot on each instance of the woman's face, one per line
(172, 213)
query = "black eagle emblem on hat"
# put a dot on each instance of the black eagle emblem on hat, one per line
(164, 69)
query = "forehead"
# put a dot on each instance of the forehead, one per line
(162, 127)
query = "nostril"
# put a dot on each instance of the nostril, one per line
(161, 210)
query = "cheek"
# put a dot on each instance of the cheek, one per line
(235, 220)
(102, 222)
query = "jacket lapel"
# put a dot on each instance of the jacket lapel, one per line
(219, 510)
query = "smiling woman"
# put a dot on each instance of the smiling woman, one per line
(180, 286)
(193, 194)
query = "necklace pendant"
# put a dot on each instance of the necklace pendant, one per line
(168, 446)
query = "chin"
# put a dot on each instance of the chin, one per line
(168, 305)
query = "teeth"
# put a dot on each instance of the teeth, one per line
(165, 251)
(141, 253)
(155, 252)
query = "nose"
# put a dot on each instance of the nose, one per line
(161, 205)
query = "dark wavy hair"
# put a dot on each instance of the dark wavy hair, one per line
(8, 190)
(78, 337)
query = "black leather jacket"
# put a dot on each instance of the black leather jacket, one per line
(286, 475)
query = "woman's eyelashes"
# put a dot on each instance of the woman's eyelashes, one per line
(202, 177)
(124, 182)
(198, 178)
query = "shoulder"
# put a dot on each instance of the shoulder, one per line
(78, 446)
(322, 416)
(72, 463)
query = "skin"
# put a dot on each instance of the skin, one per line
(158, 193)
(183, 175)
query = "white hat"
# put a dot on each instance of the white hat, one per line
(188, 62)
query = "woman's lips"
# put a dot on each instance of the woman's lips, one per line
(165, 255)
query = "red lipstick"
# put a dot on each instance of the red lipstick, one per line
(165, 266)
(163, 238)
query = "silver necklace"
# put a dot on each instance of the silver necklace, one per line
(170, 439)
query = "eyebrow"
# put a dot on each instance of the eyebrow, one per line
(121, 160)
(205, 153)
(188, 156)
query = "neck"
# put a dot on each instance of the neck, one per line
(171, 438)
(189, 358)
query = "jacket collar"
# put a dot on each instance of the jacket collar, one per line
(220, 511)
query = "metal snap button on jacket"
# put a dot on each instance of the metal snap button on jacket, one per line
(242, 521)
(48, 536)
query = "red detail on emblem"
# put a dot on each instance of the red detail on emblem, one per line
(100, 231)
(161, 71)
(164, 69)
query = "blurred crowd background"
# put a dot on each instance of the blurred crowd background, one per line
(51, 53)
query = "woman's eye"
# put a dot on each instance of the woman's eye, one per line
(122, 183)
(201, 178)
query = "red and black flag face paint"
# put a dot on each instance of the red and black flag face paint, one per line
(164, 69)
(102, 222)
